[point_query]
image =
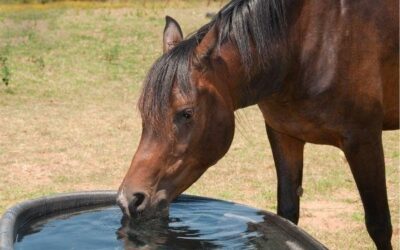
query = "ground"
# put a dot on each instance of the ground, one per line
(69, 122)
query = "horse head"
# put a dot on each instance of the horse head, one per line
(187, 122)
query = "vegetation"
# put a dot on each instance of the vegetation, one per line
(4, 68)
(68, 118)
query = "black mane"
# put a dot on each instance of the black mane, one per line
(257, 23)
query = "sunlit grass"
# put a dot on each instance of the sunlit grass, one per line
(17, 6)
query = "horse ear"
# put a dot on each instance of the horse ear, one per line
(172, 34)
(207, 45)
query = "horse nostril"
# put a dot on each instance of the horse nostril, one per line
(138, 199)
(138, 203)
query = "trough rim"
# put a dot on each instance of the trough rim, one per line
(25, 212)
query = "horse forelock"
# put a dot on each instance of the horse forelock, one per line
(171, 69)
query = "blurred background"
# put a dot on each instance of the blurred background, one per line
(70, 76)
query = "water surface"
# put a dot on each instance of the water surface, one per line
(194, 223)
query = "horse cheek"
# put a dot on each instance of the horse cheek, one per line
(218, 136)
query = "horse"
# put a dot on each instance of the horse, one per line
(322, 72)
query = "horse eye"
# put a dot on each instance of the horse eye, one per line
(187, 114)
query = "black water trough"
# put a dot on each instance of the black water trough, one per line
(91, 220)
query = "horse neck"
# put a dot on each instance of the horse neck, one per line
(248, 87)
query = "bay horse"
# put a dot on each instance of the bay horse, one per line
(322, 72)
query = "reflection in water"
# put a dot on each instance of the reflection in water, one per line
(276, 233)
(194, 223)
(157, 234)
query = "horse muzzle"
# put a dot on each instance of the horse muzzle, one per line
(140, 205)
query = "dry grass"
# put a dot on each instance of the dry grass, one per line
(68, 120)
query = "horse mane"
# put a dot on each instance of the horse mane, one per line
(258, 24)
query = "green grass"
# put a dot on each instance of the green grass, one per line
(68, 118)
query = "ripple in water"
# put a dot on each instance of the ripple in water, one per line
(194, 223)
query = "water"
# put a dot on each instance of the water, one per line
(194, 223)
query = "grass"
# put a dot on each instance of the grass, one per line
(68, 118)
